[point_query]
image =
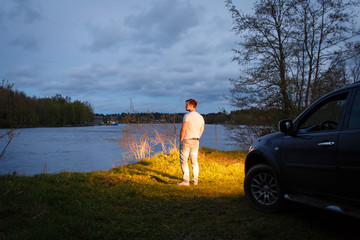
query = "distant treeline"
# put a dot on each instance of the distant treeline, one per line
(251, 116)
(19, 110)
(142, 117)
(211, 118)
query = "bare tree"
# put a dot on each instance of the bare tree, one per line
(355, 66)
(285, 49)
(264, 48)
(166, 136)
(10, 135)
(323, 29)
(245, 135)
(136, 137)
(355, 71)
(139, 136)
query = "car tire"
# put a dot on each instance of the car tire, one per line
(262, 189)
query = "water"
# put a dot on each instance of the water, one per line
(84, 149)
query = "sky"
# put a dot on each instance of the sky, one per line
(153, 53)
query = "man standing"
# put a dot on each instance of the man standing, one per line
(191, 131)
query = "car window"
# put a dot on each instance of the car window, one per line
(354, 122)
(325, 116)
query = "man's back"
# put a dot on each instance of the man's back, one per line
(195, 123)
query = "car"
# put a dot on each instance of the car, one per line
(313, 160)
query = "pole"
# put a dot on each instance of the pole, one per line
(217, 148)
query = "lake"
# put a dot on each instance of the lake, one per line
(84, 149)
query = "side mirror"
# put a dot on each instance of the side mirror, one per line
(286, 126)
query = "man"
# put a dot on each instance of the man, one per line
(191, 131)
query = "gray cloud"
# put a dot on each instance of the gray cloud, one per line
(29, 43)
(25, 76)
(163, 23)
(93, 71)
(105, 37)
(25, 11)
(96, 78)
(182, 69)
(159, 26)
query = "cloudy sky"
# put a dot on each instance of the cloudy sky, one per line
(158, 53)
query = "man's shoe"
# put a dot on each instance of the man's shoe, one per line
(183, 183)
(195, 182)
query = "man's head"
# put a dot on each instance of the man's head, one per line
(190, 104)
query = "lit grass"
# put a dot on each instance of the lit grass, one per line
(142, 201)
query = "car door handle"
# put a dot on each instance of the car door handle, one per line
(326, 144)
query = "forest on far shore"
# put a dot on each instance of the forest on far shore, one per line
(18, 110)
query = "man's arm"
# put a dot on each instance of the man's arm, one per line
(202, 129)
(184, 127)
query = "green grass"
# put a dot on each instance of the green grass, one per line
(142, 201)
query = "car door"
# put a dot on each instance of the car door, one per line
(349, 152)
(309, 157)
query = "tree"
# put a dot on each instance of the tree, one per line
(19, 110)
(286, 49)
(136, 137)
(166, 135)
(264, 50)
(6, 110)
(323, 30)
(10, 135)
(355, 66)
(140, 136)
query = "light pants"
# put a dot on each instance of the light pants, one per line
(189, 147)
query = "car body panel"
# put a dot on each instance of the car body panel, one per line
(349, 164)
(264, 149)
(316, 173)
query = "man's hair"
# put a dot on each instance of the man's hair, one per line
(192, 102)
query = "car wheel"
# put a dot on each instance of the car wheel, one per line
(262, 189)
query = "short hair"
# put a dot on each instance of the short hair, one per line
(192, 102)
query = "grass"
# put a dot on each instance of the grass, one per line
(142, 201)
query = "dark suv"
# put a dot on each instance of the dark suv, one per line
(314, 159)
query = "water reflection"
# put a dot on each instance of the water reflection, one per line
(53, 150)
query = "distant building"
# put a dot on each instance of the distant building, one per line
(105, 120)
(98, 119)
